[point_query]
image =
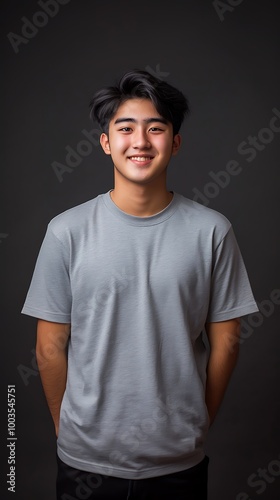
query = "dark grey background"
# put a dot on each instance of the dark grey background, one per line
(229, 70)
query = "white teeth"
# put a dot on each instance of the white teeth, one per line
(140, 158)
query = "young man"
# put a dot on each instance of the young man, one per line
(123, 288)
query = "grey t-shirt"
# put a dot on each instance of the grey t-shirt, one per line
(137, 292)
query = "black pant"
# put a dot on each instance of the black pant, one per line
(189, 484)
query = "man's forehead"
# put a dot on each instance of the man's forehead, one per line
(137, 110)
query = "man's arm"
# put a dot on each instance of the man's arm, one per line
(224, 347)
(51, 353)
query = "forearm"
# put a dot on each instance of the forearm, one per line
(222, 360)
(51, 356)
(53, 375)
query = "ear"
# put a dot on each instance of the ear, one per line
(177, 139)
(104, 141)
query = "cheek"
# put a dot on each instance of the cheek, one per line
(120, 143)
(164, 146)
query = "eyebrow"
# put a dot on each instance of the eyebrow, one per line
(146, 120)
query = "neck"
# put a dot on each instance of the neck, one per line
(142, 201)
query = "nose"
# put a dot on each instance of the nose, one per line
(141, 140)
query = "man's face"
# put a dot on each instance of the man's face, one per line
(140, 142)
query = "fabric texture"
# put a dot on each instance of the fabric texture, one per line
(137, 292)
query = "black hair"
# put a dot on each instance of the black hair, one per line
(169, 102)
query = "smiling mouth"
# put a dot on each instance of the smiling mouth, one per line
(140, 158)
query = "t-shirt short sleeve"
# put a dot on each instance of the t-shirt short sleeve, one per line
(231, 294)
(49, 295)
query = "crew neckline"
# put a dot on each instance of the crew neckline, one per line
(135, 220)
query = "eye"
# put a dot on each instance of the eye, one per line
(156, 129)
(125, 129)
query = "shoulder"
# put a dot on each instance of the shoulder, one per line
(75, 218)
(202, 217)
